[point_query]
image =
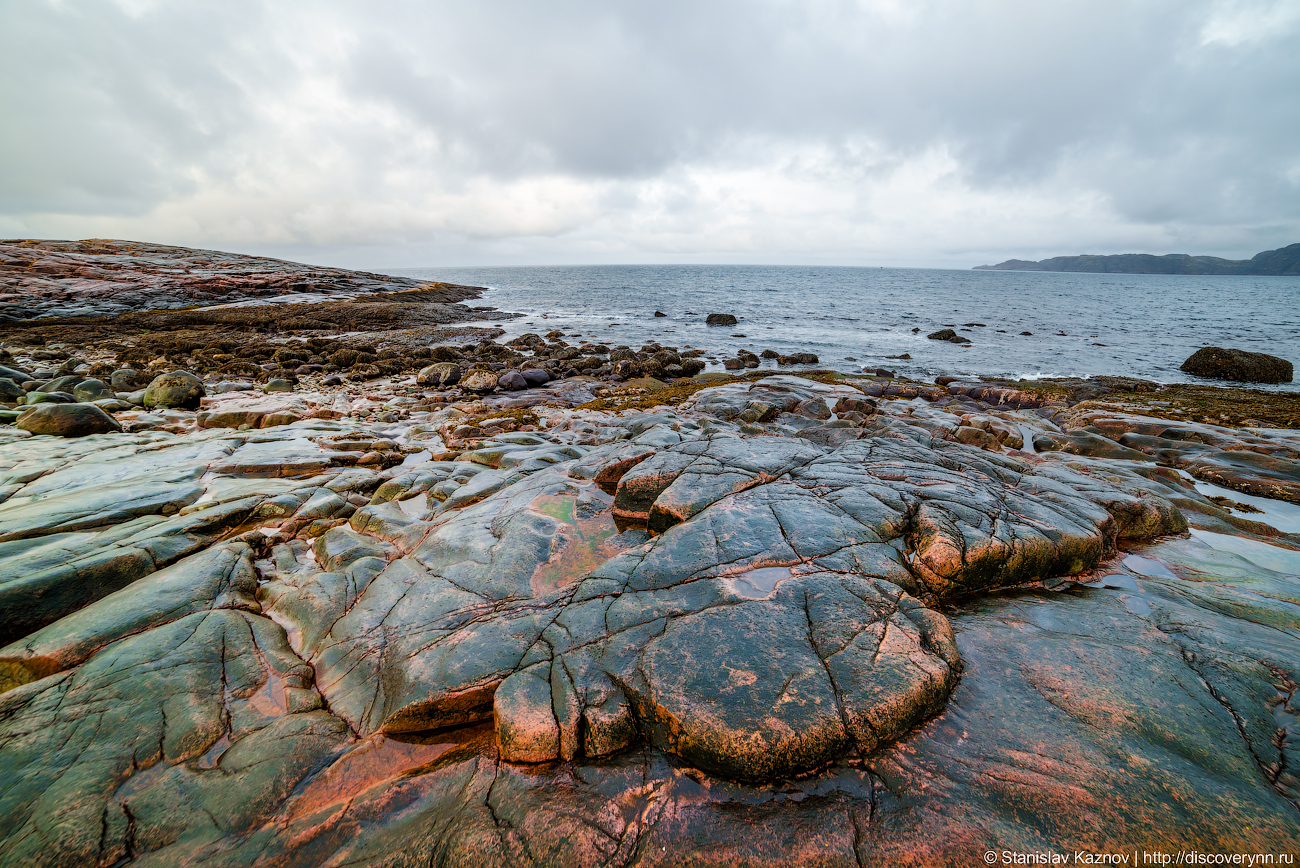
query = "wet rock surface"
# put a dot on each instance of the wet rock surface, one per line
(563, 618)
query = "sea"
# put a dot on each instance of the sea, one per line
(856, 318)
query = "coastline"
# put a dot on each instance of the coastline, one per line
(434, 606)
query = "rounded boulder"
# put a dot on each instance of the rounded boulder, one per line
(126, 380)
(10, 392)
(439, 374)
(91, 390)
(479, 381)
(535, 376)
(1220, 363)
(512, 381)
(179, 390)
(67, 420)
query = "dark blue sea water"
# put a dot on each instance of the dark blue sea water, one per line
(1121, 324)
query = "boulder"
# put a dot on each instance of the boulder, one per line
(18, 376)
(512, 381)
(439, 374)
(1219, 363)
(42, 397)
(660, 313)
(177, 390)
(67, 420)
(720, 319)
(63, 384)
(479, 381)
(10, 392)
(91, 390)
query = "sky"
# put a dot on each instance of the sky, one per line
(516, 132)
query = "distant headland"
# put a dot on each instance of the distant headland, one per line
(1283, 261)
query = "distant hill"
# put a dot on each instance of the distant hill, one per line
(1285, 260)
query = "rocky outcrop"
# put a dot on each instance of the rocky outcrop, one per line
(102, 277)
(781, 621)
(1217, 363)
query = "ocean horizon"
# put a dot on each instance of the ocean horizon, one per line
(856, 317)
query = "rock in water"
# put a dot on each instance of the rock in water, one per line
(947, 335)
(1220, 363)
(720, 319)
(179, 390)
(67, 420)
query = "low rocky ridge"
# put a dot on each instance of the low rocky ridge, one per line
(100, 277)
(592, 621)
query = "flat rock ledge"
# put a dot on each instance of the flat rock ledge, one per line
(785, 620)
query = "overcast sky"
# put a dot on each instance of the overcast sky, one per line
(873, 132)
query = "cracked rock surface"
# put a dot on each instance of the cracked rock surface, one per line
(775, 624)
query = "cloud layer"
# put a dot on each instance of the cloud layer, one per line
(832, 131)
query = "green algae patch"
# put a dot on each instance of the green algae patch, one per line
(1210, 405)
(638, 397)
(520, 417)
(642, 398)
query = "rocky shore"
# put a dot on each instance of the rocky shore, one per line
(105, 277)
(349, 582)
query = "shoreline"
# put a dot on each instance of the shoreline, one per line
(569, 616)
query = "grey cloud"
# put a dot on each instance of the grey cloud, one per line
(408, 111)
